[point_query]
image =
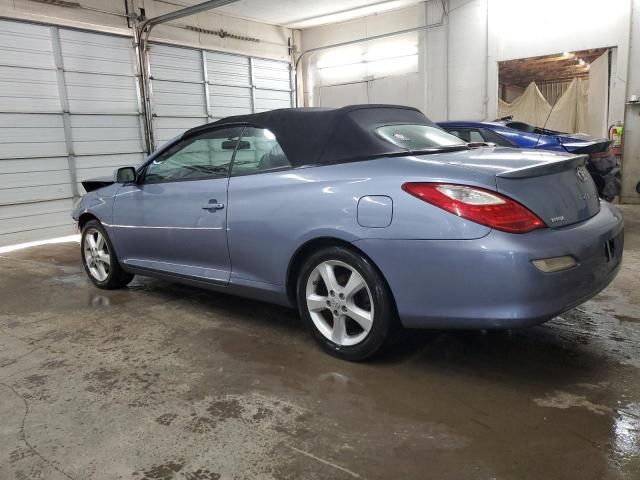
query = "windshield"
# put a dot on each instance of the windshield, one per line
(418, 137)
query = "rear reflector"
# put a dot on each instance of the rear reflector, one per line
(478, 205)
(555, 264)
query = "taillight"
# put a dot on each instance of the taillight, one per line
(478, 205)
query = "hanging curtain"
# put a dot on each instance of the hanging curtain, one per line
(530, 107)
(568, 114)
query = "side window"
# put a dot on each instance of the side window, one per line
(476, 136)
(258, 151)
(207, 155)
(496, 138)
(460, 133)
(454, 132)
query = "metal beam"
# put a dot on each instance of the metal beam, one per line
(66, 114)
(185, 12)
(141, 39)
(252, 80)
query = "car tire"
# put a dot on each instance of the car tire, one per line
(351, 313)
(99, 258)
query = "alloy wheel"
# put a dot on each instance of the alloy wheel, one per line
(339, 303)
(96, 255)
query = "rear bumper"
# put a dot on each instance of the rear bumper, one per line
(490, 282)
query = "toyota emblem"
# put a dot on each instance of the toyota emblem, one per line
(582, 173)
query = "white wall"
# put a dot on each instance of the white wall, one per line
(364, 28)
(452, 70)
(458, 75)
(272, 44)
(529, 29)
(631, 164)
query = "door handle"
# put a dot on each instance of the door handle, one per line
(213, 205)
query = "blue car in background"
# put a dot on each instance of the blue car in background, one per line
(505, 132)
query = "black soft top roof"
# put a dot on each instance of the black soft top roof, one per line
(329, 135)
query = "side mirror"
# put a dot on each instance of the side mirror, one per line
(125, 175)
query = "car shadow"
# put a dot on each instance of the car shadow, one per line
(537, 353)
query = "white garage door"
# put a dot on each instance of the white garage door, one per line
(191, 87)
(69, 110)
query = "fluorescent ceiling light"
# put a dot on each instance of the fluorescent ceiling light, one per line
(348, 14)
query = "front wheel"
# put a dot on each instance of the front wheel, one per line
(99, 259)
(346, 303)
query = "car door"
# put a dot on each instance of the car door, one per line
(174, 218)
(260, 197)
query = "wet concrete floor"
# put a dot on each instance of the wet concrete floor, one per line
(162, 381)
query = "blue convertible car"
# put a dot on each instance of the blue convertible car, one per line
(506, 132)
(366, 218)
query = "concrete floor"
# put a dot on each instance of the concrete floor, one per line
(162, 381)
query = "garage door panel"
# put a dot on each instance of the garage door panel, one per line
(229, 83)
(97, 53)
(25, 45)
(33, 179)
(34, 165)
(12, 196)
(225, 69)
(35, 208)
(105, 121)
(166, 88)
(38, 233)
(30, 121)
(116, 134)
(24, 136)
(89, 162)
(25, 52)
(222, 112)
(163, 135)
(272, 99)
(173, 63)
(243, 103)
(106, 146)
(32, 149)
(99, 79)
(33, 222)
(178, 99)
(272, 75)
(101, 93)
(178, 110)
(28, 90)
(167, 128)
(230, 97)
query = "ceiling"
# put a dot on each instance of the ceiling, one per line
(561, 66)
(303, 13)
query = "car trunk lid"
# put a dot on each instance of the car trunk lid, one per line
(556, 187)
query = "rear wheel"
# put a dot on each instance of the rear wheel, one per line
(100, 260)
(346, 303)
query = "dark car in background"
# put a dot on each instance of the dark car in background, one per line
(602, 164)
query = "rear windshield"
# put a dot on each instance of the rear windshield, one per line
(418, 137)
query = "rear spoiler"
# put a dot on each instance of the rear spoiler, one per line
(594, 146)
(546, 168)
